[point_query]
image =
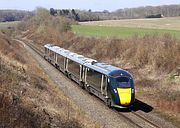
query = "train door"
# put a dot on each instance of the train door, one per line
(48, 54)
(66, 61)
(45, 51)
(81, 73)
(55, 58)
(104, 85)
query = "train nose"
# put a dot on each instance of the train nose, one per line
(124, 96)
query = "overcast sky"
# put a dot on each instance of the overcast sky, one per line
(95, 5)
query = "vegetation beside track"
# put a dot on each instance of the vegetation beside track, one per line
(28, 98)
(152, 58)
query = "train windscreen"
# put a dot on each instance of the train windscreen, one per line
(123, 82)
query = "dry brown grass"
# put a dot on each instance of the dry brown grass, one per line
(153, 60)
(28, 98)
(161, 52)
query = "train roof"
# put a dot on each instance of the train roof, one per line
(108, 69)
(104, 68)
(71, 55)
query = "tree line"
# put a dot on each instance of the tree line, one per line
(142, 12)
(89, 15)
(14, 15)
(126, 13)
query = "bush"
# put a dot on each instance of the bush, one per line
(43, 21)
(159, 52)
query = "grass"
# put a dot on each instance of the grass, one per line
(28, 97)
(172, 23)
(119, 32)
(4, 25)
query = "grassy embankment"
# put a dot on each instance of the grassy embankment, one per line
(127, 28)
(28, 98)
(5, 25)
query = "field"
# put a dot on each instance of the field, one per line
(119, 32)
(127, 28)
(4, 25)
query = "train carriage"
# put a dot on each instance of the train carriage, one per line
(113, 85)
(75, 67)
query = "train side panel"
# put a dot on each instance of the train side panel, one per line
(74, 70)
(61, 62)
(96, 83)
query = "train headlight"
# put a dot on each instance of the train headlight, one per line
(132, 90)
(115, 91)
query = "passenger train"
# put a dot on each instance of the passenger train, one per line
(113, 85)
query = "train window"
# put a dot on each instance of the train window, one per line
(74, 67)
(104, 85)
(51, 54)
(123, 79)
(104, 82)
(45, 51)
(94, 78)
(123, 82)
(48, 52)
(60, 60)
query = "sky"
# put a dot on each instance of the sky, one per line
(94, 5)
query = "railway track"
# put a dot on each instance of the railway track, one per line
(138, 120)
(134, 118)
(145, 119)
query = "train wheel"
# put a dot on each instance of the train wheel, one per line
(108, 103)
(66, 73)
(69, 76)
(82, 85)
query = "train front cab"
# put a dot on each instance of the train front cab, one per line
(122, 91)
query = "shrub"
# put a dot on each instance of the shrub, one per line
(43, 21)
(159, 52)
